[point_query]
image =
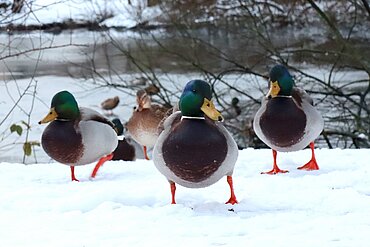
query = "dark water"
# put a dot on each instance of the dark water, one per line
(79, 52)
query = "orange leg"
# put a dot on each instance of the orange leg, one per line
(173, 190)
(73, 174)
(275, 169)
(312, 164)
(146, 153)
(101, 161)
(232, 199)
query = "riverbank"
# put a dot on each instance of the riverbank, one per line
(55, 16)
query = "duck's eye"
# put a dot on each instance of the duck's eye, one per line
(194, 91)
(50, 113)
(208, 105)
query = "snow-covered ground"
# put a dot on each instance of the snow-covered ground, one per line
(128, 204)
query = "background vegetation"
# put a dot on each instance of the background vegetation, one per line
(232, 45)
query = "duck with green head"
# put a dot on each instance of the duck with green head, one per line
(195, 150)
(126, 149)
(77, 135)
(287, 120)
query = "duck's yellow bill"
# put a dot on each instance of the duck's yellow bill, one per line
(52, 115)
(210, 110)
(274, 89)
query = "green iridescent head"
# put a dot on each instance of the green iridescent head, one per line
(118, 127)
(195, 101)
(281, 82)
(63, 106)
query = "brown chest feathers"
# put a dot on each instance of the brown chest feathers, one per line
(283, 123)
(62, 143)
(194, 150)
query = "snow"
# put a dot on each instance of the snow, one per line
(119, 13)
(112, 13)
(128, 204)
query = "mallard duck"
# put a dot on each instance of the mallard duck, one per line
(234, 104)
(109, 104)
(234, 110)
(287, 120)
(143, 124)
(125, 150)
(195, 150)
(77, 135)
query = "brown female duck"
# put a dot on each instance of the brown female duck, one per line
(143, 124)
(109, 104)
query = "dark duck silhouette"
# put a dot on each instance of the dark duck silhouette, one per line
(125, 150)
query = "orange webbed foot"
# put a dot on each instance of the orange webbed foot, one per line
(312, 164)
(232, 199)
(275, 171)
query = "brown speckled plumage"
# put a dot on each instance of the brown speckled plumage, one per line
(144, 122)
(147, 119)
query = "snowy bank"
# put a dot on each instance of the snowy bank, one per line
(128, 204)
(110, 13)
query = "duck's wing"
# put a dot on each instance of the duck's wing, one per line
(167, 114)
(92, 115)
(300, 95)
(162, 113)
(159, 111)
